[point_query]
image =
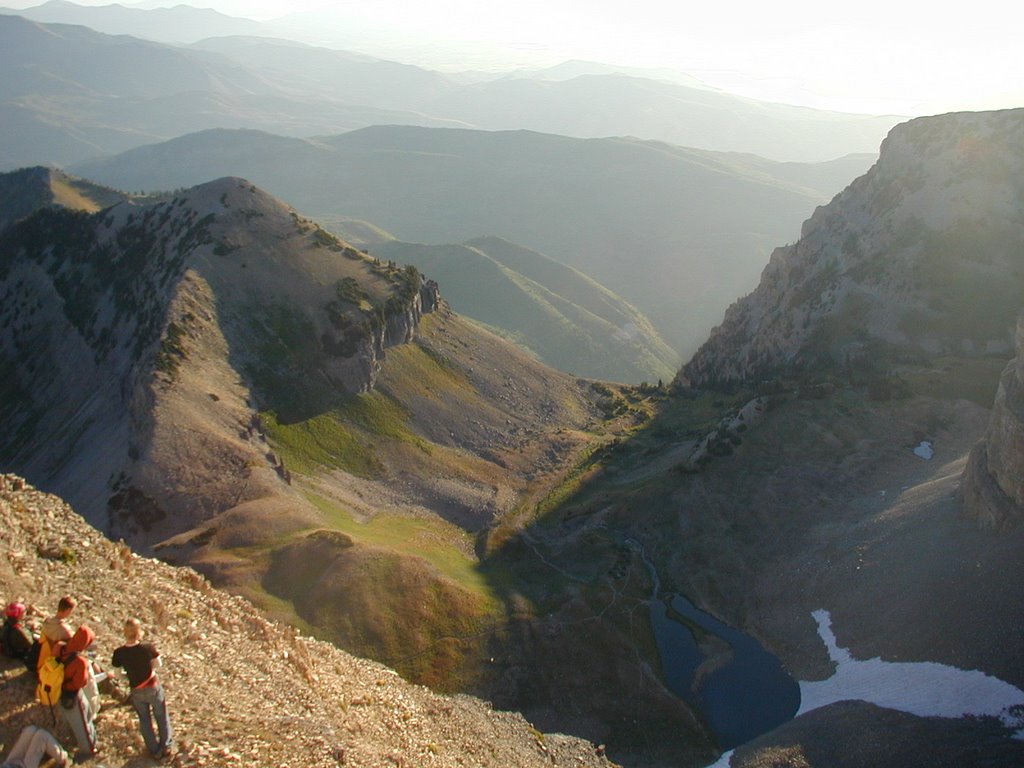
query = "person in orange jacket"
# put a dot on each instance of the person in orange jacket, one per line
(76, 706)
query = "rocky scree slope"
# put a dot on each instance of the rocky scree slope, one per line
(921, 255)
(242, 690)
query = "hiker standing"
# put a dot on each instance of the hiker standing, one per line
(32, 745)
(15, 639)
(77, 707)
(56, 628)
(138, 660)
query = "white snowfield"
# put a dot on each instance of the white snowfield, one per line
(926, 689)
(925, 450)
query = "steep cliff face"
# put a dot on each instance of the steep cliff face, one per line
(140, 342)
(993, 483)
(923, 254)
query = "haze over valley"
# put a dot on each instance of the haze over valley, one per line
(632, 420)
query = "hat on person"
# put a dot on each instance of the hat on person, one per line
(15, 610)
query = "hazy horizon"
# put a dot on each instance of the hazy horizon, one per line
(873, 58)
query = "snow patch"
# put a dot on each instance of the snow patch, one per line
(924, 450)
(723, 761)
(925, 689)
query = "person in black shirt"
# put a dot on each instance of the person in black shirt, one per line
(138, 660)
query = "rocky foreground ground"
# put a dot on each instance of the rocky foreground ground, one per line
(242, 691)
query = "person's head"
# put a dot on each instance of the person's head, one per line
(65, 606)
(15, 611)
(81, 640)
(133, 630)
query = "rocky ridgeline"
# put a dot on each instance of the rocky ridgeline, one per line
(163, 326)
(921, 255)
(993, 485)
(242, 690)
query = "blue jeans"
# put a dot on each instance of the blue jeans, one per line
(150, 705)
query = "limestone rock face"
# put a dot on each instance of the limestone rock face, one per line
(924, 254)
(993, 485)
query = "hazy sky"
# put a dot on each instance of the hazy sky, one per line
(864, 56)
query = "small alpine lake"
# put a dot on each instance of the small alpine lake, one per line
(737, 687)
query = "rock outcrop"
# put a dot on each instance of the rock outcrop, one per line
(993, 483)
(921, 255)
(242, 690)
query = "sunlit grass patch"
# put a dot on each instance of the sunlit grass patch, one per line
(66, 195)
(321, 442)
(441, 544)
(345, 437)
(418, 370)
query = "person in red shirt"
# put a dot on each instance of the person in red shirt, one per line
(138, 660)
(78, 708)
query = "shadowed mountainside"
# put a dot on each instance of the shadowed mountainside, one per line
(993, 486)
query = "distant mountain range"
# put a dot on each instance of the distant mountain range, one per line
(178, 24)
(678, 233)
(69, 93)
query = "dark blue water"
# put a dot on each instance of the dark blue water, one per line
(749, 695)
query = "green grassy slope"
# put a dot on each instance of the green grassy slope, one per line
(562, 316)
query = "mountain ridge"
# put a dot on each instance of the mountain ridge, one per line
(76, 94)
(921, 200)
